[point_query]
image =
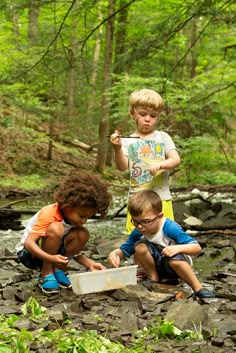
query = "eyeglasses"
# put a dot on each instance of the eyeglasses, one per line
(144, 222)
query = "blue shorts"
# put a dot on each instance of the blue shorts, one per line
(32, 262)
(162, 262)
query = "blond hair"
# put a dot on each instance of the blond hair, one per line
(147, 98)
(144, 201)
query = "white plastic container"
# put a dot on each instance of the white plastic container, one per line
(99, 281)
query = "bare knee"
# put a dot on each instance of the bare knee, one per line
(77, 238)
(83, 235)
(141, 249)
(55, 230)
(178, 265)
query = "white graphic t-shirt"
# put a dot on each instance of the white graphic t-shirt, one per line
(142, 153)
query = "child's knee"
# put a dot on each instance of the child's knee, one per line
(178, 264)
(141, 249)
(55, 229)
(83, 234)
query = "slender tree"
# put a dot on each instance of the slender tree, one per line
(103, 124)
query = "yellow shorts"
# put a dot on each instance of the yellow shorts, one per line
(167, 209)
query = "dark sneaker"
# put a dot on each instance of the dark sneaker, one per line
(141, 276)
(172, 282)
(149, 283)
(48, 284)
(62, 279)
(204, 293)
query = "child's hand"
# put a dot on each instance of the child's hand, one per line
(115, 138)
(59, 260)
(171, 250)
(96, 266)
(114, 259)
(155, 167)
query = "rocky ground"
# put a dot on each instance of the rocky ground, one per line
(118, 314)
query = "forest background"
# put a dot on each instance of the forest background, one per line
(68, 67)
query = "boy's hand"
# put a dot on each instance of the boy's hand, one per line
(155, 167)
(96, 266)
(171, 250)
(115, 139)
(114, 259)
(59, 260)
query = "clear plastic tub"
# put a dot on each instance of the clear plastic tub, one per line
(104, 280)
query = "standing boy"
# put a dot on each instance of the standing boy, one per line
(160, 245)
(148, 153)
(56, 232)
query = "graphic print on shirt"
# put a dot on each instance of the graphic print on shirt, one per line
(142, 155)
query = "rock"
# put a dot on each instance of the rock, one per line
(188, 315)
(193, 221)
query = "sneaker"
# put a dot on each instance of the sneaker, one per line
(149, 283)
(48, 284)
(141, 276)
(62, 279)
(172, 282)
(204, 293)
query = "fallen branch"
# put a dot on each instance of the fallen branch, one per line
(214, 227)
(224, 232)
(12, 203)
(83, 146)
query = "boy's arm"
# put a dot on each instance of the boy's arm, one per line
(186, 249)
(32, 246)
(121, 160)
(90, 264)
(184, 243)
(126, 249)
(115, 257)
(172, 161)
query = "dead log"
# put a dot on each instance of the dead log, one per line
(217, 231)
(12, 203)
(83, 146)
(214, 227)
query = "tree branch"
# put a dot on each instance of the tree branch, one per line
(50, 44)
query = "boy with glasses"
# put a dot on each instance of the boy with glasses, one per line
(148, 153)
(159, 244)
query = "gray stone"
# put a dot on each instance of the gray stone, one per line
(190, 316)
(192, 221)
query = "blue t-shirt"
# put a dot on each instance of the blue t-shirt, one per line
(170, 233)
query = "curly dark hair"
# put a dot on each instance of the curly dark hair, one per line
(84, 190)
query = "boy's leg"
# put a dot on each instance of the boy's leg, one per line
(167, 208)
(75, 241)
(72, 244)
(129, 226)
(51, 244)
(145, 260)
(185, 272)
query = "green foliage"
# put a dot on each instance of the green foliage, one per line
(161, 329)
(33, 308)
(203, 161)
(71, 340)
(184, 50)
(29, 182)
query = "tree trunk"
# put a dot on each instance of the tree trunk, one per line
(193, 63)
(118, 67)
(15, 21)
(72, 67)
(33, 21)
(91, 103)
(103, 125)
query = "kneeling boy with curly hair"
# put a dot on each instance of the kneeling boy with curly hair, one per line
(56, 232)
